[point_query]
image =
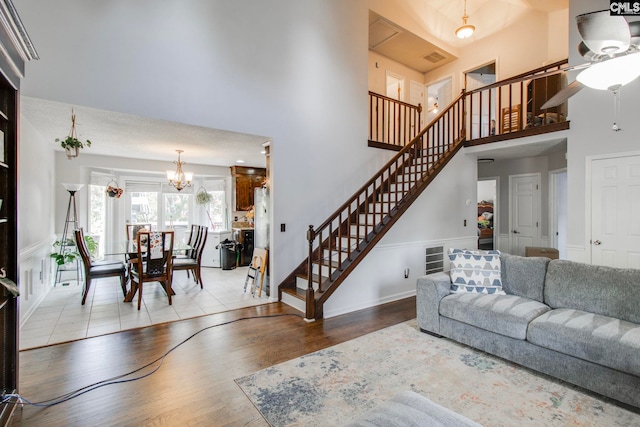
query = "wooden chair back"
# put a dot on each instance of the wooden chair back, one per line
(156, 249)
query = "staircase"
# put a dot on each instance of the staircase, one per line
(339, 244)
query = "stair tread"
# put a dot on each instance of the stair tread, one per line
(296, 293)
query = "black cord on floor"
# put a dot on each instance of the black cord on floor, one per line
(15, 398)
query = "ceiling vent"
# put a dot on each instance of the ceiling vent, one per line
(434, 57)
(381, 31)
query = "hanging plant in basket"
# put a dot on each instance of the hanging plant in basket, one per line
(71, 143)
(113, 189)
(203, 198)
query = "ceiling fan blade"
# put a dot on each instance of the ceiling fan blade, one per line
(564, 94)
(603, 33)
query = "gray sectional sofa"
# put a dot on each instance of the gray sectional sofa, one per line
(576, 322)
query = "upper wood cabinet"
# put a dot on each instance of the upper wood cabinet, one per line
(245, 179)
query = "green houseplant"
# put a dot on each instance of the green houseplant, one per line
(71, 143)
(64, 256)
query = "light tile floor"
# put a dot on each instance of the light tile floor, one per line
(61, 316)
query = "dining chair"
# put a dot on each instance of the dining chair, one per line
(97, 269)
(134, 229)
(153, 262)
(193, 263)
(193, 236)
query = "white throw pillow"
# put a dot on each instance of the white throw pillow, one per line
(475, 271)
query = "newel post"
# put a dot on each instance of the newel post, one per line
(310, 297)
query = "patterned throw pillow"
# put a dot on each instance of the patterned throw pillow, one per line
(475, 271)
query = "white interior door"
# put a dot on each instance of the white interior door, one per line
(615, 209)
(524, 212)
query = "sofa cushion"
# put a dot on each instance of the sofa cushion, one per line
(475, 271)
(524, 276)
(507, 315)
(599, 339)
(608, 291)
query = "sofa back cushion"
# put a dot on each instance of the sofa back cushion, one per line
(613, 292)
(524, 276)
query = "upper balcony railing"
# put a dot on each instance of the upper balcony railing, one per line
(392, 123)
(506, 109)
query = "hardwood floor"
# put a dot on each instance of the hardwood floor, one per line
(194, 386)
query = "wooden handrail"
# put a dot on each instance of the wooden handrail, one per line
(392, 122)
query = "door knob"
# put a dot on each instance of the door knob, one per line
(597, 242)
(516, 231)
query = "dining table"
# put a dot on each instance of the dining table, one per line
(129, 248)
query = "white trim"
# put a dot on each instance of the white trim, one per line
(37, 247)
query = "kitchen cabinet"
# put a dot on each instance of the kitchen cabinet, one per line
(245, 179)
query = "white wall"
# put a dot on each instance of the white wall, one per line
(36, 174)
(435, 219)
(591, 115)
(295, 71)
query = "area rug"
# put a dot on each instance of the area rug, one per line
(337, 384)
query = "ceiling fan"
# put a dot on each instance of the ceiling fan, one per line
(612, 47)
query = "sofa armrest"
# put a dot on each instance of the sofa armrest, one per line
(430, 290)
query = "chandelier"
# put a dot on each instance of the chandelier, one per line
(465, 30)
(178, 178)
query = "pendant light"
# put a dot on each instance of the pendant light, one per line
(465, 30)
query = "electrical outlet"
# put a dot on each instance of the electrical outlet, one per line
(465, 222)
(283, 228)
(406, 273)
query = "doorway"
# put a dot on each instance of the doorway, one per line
(524, 212)
(558, 211)
(483, 117)
(395, 86)
(439, 95)
(488, 213)
(615, 207)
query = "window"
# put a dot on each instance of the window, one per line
(217, 211)
(176, 209)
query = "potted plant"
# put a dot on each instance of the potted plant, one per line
(71, 143)
(68, 253)
(113, 189)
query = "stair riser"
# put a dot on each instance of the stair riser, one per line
(346, 243)
(378, 208)
(360, 230)
(293, 302)
(408, 177)
(399, 187)
(390, 197)
(302, 284)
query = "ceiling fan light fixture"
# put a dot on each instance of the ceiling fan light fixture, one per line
(465, 30)
(612, 73)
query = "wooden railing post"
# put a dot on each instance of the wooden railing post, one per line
(310, 297)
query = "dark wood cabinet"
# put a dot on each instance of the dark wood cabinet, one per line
(8, 244)
(245, 179)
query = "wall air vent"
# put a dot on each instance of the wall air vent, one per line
(434, 259)
(381, 31)
(434, 57)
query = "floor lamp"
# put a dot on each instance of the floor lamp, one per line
(72, 218)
